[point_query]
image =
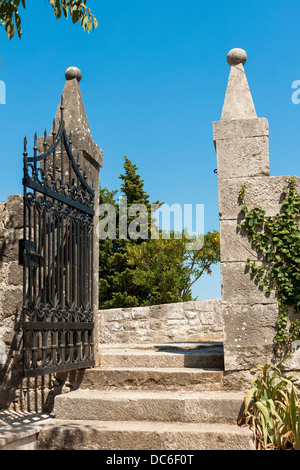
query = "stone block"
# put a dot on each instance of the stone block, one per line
(249, 331)
(13, 300)
(194, 322)
(115, 315)
(14, 212)
(260, 191)
(157, 311)
(176, 322)
(140, 313)
(243, 157)
(191, 305)
(155, 325)
(234, 243)
(205, 305)
(191, 315)
(113, 326)
(130, 326)
(207, 318)
(15, 274)
(9, 245)
(174, 315)
(246, 357)
(240, 128)
(238, 286)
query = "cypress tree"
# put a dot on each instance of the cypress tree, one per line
(116, 285)
(138, 270)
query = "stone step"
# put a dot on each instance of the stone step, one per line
(19, 430)
(189, 355)
(140, 378)
(132, 435)
(144, 405)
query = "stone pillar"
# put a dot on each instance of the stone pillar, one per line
(241, 143)
(90, 159)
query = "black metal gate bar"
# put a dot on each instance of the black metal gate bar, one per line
(57, 257)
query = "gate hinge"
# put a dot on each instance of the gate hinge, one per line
(28, 253)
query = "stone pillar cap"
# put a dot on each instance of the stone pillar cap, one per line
(238, 103)
(236, 56)
(73, 72)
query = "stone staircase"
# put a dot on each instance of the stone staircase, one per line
(162, 397)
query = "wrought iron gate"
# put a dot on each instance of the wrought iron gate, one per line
(57, 257)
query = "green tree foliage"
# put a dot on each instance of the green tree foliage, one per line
(159, 265)
(76, 9)
(147, 271)
(170, 269)
(117, 287)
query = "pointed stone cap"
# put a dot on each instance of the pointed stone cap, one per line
(238, 103)
(74, 110)
(76, 121)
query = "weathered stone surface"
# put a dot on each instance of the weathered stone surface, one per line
(244, 320)
(15, 274)
(12, 304)
(243, 157)
(238, 103)
(114, 436)
(239, 287)
(239, 380)
(234, 243)
(236, 56)
(163, 356)
(248, 334)
(240, 129)
(260, 191)
(123, 405)
(181, 321)
(14, 212)
(9, 245)
(241, 142)
(247, 357)
(151, 378)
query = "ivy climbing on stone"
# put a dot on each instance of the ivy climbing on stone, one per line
(277, 242)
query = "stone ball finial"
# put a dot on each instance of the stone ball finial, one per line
(73, 72)
(236, 56)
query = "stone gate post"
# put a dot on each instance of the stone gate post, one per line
(242, 149)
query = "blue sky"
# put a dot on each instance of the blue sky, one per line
(154, 80)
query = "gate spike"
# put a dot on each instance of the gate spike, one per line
(45, 139)
(70, 138)
(25, 146)
(35, 148)
(53, 128)
(62, 108)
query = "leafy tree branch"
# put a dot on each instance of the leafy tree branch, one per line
(10, 16)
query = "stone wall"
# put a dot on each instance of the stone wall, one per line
(11, 291)
(188, 321)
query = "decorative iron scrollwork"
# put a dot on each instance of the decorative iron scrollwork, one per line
(57, 258)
